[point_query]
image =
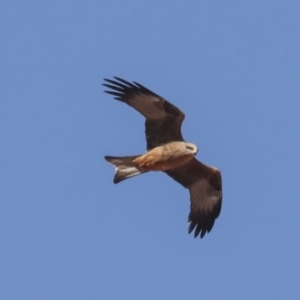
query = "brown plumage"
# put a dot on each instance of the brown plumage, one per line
(168, 152)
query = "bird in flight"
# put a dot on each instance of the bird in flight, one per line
(168, 152)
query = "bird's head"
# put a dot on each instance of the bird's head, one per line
(191, 148)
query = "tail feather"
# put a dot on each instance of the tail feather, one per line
(124, 167)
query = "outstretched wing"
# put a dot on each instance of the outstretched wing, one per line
(163, 119)
(205, 186)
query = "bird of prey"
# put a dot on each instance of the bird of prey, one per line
(168, 152)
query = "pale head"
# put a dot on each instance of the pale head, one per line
(191, 148)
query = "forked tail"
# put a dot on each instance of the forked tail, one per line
(124, 167)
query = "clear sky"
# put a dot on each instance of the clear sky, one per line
(67, 232)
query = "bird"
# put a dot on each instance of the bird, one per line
(168, 152)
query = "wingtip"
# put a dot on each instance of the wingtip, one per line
(106, 79)
(112, 81)
(198, 229)
(108, 158)
(116, 180)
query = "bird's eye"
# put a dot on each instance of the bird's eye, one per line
(190, 148)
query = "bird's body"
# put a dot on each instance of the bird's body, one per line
(165, 157)
(168, 152)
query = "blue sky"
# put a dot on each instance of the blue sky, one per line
(67, 232)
